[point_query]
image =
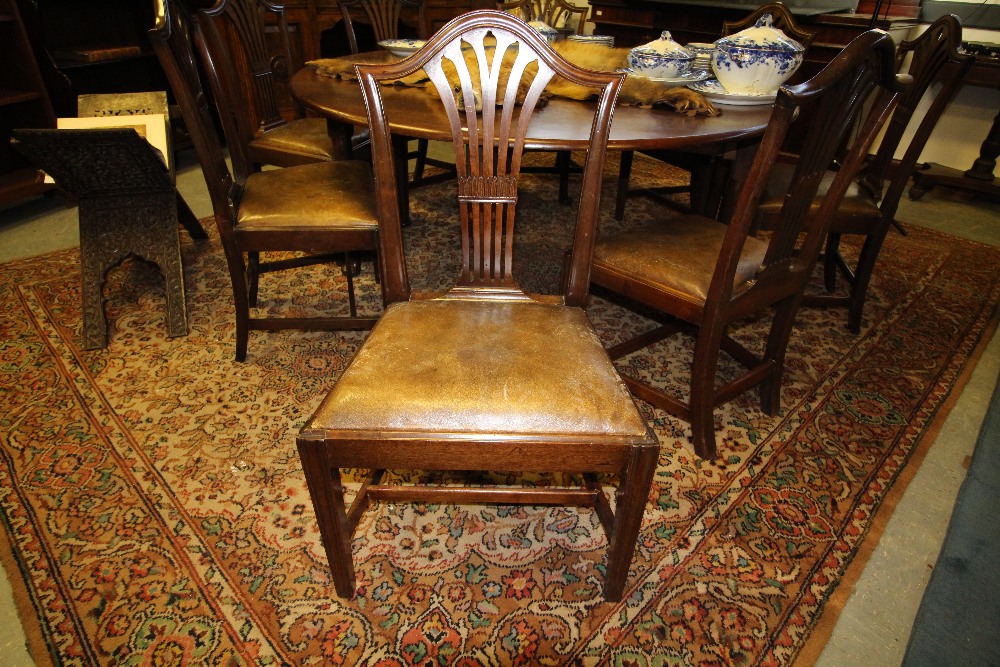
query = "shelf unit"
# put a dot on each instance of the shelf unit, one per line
(24, 102)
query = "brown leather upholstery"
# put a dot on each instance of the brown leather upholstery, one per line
(677, 256)
(300, 141)
(484, 377)
(858, 209)
(869, 207)
(321, 210)
(707, 276)
(327, 196)
(422, 368)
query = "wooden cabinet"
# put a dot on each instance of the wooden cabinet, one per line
(24, 102)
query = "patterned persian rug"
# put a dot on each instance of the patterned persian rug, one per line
(157, 514)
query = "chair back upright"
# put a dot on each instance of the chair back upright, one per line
(242, 72)
(933, 57)
(489, 81)
(863, 74)
(172, 39)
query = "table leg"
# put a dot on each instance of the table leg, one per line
(340, 136)
(739, 167)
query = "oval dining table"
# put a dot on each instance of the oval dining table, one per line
(561, 125)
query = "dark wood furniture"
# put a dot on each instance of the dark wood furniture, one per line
(384, 18)
(255, 39)
(484, 377)
(24, 103)
(323, 209)
(101, 46)
(711, 275)
(979, 178)
(127, 205)
(561, 125)
(869, 208)
(557, 14)
(317, 32)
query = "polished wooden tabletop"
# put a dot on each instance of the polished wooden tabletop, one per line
(561, 124)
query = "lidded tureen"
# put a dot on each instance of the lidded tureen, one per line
(756, 61)
(548, 32)
(662, 58)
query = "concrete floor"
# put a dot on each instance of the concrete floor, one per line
(874, 627)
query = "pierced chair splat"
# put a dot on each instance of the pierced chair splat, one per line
(255, 41)
(483, 376)
(709, 276)
(385, 19)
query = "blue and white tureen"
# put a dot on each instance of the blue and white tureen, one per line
(756, 61)
(660, 59)
(548, 32)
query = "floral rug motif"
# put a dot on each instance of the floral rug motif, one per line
(157, 513)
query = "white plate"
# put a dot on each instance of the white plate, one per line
(714, 91)
(401, 47)
(691, 77)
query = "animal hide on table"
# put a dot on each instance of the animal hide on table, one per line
(636, 91)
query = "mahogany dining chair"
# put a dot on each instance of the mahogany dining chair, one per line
(255, 40)
(708, 276)
(483, 376)
(868, 209)
(322, 211)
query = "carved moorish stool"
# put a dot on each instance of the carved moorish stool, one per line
(127, 206)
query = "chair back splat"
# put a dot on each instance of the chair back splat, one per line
(483, 376)
(553, 13)
(384, 17)
(711, 275)
(252, 36)
(321, 210)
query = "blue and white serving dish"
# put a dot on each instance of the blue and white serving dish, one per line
(548, 32)
(662, 58)
(691, 76)
(756, 61)
(715, 93)
(401, 47)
